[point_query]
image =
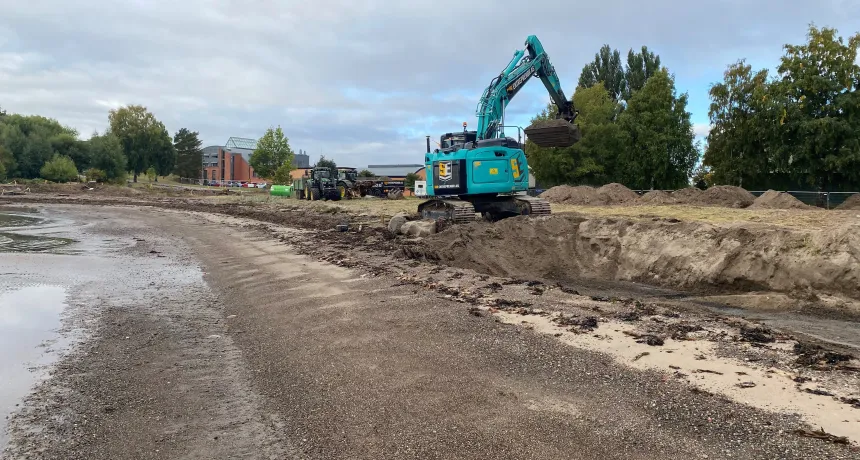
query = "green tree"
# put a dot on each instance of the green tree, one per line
(606, 68)
(620, 81)
(59, 169)
(820, 126)
(660, 151)
(69, 145)
(702, 177)
(163, 152)
(145, 141)
(106, 155)
(592, 160)
(28, 141)
(330, 164)
(366, 173)
(740, 146)
(640, 67)
(409, 181)
(95, 174)
(273, 151)
(151, 174)
(282, 175)
(189, 153)
(7, 161)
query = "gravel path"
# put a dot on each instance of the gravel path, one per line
(273, 354)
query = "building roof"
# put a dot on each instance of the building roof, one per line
(394, 170)
(241, 143)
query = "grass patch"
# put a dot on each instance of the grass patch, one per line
(794, 218)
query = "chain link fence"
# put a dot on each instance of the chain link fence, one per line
(826, 200)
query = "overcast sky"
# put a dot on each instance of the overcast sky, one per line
(360, 81)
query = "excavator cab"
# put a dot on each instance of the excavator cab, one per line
(456, 141)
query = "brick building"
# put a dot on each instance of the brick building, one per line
(231, 162)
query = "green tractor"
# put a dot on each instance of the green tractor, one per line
(347, 183)
(319, 185)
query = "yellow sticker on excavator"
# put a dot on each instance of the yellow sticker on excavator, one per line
(494, 171)
(443, 169)
(515, 167)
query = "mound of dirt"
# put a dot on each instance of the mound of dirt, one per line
(727, 196)
(655, 197)
(579, 195)
(615, 193)
(678, 255)
(778, 200)
(584, 195)
(689, 195)
(851, 204)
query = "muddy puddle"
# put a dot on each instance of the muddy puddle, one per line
(30, 308)
(28, 233)
(29, 320)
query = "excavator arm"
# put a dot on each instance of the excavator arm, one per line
(531, 61)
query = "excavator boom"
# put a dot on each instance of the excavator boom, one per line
(531, 61)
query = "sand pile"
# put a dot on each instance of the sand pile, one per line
(727, 196)
(678, 255)
(851, 204)
(615, 193)
(778, 200)
(584, 195)
(689, 195)
(580, 195)
(656, 197)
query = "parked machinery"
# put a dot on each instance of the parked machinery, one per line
(317, 184)
(350, 185)
(485, 171)
(347, 183)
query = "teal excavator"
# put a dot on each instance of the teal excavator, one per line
(485, 171)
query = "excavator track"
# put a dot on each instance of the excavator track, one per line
(533, 206)
(459, 212)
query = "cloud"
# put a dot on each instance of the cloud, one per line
(361, 81)
(701, 130)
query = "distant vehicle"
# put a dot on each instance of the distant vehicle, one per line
(317, 184)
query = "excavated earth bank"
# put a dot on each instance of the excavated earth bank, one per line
(681, 255)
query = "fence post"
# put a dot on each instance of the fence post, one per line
(827, 198)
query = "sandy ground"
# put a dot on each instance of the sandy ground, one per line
(239, 339)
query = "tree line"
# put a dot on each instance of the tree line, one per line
(635, 127)
(799, 128)
(33, 146)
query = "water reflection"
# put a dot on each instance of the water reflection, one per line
(28, 317)
(16, 220)
(16, 235)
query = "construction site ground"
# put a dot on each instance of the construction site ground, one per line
(246, 326)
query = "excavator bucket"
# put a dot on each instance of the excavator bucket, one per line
(553, 133)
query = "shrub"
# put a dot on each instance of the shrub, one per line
(60, 168)
(282, 175)
(95, 174)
